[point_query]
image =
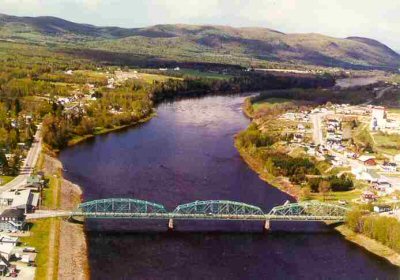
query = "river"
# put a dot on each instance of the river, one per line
(184, 154)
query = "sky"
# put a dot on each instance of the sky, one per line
(377, 19)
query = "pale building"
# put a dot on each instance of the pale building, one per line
(378, 118)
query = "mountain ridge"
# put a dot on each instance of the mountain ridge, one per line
(206, 43)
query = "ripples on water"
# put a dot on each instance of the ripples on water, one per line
(184, 154)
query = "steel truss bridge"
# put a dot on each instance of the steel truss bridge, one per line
(126, 208)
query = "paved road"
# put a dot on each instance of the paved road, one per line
(28, 165)
(317, 127)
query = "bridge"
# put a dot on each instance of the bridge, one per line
(127, 208)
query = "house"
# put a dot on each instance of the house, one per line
(9, 239)
(389, 167)
(20, 199)
(382, 208)
(367, 160)
(34, 179)
(311, 151)
(7, 250)
(298, 138)
(368, 196)
(301, 128)
(12, 220)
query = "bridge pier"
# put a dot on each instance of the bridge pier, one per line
(170, 224)
(267, 226)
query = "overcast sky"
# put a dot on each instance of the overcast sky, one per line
(378, 19)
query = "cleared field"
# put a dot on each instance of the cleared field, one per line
(387, 143)
(150, 78)
(271, 103)
(348, 196)
(202, 74)
(5, 179)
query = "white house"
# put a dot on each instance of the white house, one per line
(20, 199)
(7, 250)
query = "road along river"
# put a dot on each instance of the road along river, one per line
(184, 154)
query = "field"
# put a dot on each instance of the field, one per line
(5, 179)
(270, 103)
(386, 143)
(348, 196)
(202, 74)
(43, 237)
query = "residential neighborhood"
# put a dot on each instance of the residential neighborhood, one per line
(330, 133)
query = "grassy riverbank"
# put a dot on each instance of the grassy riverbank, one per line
(369, 244)
(279, 182)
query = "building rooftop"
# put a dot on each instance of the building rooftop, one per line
(7, 248)
(364, 158)
(21, 197)
(13, 213)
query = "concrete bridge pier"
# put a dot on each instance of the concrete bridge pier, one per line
(267, 226)
(170, 224)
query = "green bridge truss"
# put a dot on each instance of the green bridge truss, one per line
(210, 210)
(121, 206)
(308, 210)
(217, 207)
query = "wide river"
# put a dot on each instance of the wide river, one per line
(184, 154)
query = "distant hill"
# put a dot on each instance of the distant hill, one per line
(222, 44)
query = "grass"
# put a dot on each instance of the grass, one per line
(271, 103)
(387, 143)
(51, 193)
(5, 179)
(348, 196)
(362, 135)
(202, 74)
(40, 239)
(150, 78)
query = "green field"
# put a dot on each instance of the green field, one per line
(40, 239)
(348, 196)
(5, 179)
(271, 103)
(202, 74)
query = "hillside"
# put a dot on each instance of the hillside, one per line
(222, 44)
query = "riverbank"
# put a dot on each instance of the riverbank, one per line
(67, 248)
(282, 183)
(84, 138)
(369, 244)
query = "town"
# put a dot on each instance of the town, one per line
(331, 133)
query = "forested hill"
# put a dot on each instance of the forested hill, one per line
(222, 44)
